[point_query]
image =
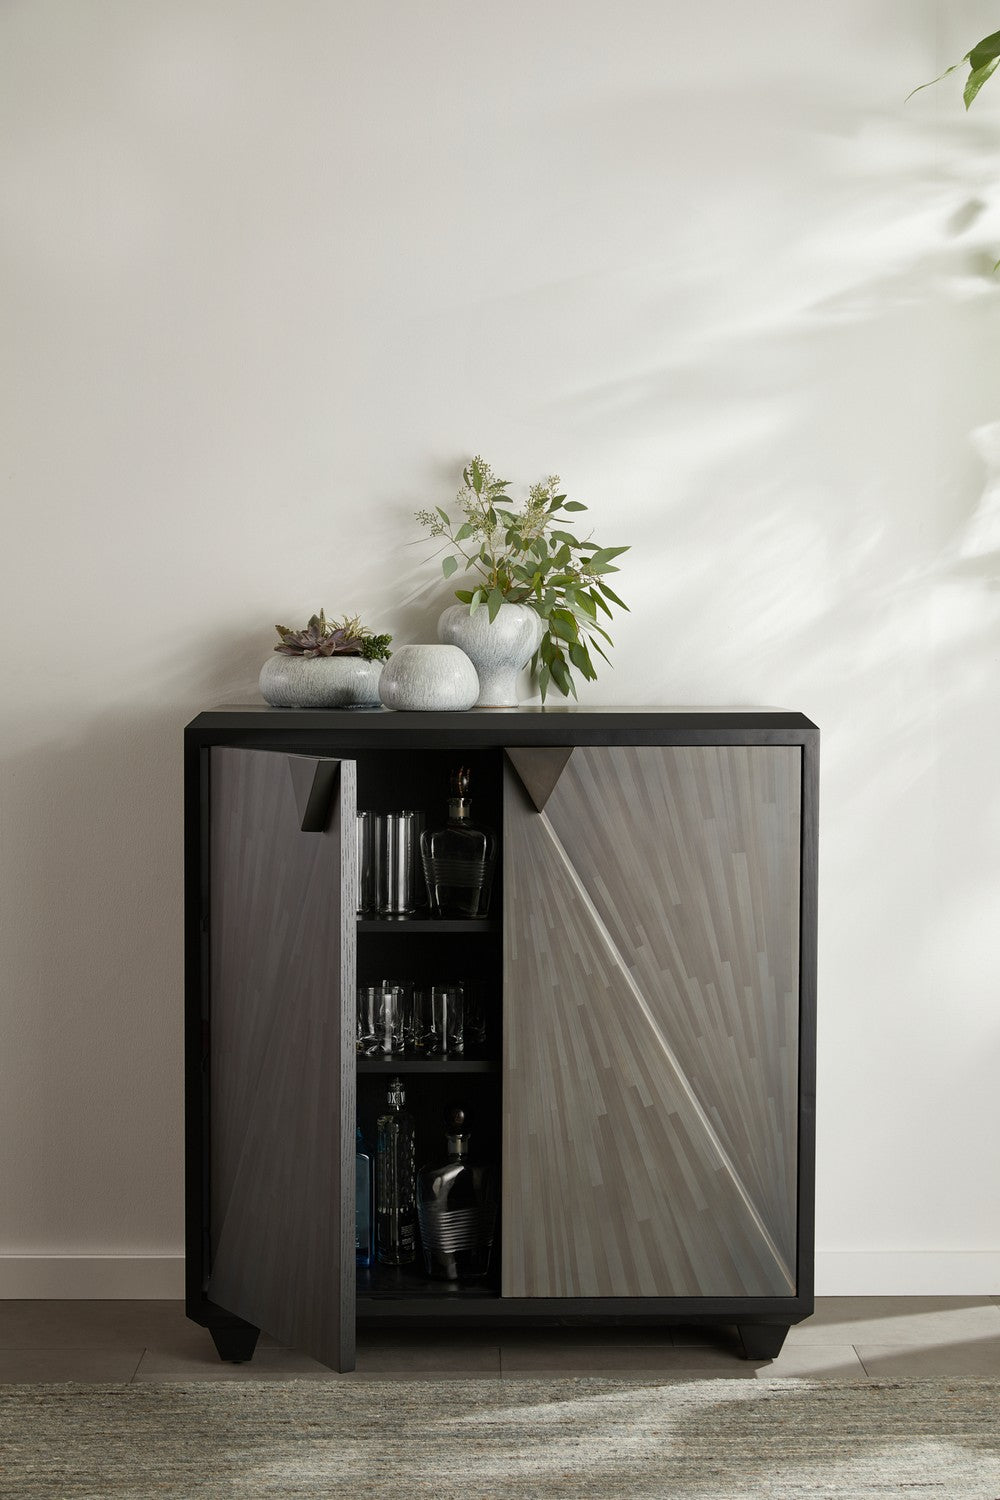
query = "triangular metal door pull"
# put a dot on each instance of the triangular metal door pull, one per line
(314, 783)
(539, 768)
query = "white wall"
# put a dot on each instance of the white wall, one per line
(273, 271)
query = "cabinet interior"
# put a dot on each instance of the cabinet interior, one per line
(421, 951)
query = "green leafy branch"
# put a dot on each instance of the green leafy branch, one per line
(983, 60)
(527, 556)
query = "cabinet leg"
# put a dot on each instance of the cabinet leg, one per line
(762, 1340)
(235, 1343)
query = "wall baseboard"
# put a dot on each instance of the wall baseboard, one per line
(839, 1273)
(907, 1273)
(97, 1276)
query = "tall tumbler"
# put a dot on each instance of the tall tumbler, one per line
(368, 864)
(400, 851)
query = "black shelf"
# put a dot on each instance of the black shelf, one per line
(391, 1065)
(385, 925)
(379, 1283)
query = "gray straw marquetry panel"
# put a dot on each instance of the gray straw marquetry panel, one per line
(282, 1052)
(651, 962)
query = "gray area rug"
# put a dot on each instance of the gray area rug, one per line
(485, 1439)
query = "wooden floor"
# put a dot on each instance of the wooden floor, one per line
(848, 1338)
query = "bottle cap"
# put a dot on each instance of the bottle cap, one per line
(460, 781)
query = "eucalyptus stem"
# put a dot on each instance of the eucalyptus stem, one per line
(540, 564)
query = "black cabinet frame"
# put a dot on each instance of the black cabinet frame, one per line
(762, 1320)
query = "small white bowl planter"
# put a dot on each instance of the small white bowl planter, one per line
(439, 678)
(320, 681)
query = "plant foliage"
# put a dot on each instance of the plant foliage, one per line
(323, 637)
(529, 556)
(982, 60)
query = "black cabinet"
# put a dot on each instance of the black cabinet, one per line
(647, 977)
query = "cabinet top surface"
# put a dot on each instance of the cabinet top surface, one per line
(569, 723)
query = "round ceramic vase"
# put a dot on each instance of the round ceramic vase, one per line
(429, 677)
(500, 648)
(320, 681)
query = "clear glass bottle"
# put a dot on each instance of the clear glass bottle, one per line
(457, 1207)
(396, 1218)
(458, 859)
(362, 1203)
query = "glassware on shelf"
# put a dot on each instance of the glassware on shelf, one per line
(439, 1020)
(369, 996)
(401, 890)
(448, 1019)
(385, 1019)
(458, 859)
(363, 1224)
(474, 1016)
(395, 1183)
(368, 864)
(392, 1020)
(457, 1209)
(405, 1020)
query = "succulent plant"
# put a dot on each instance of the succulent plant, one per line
(323, 637)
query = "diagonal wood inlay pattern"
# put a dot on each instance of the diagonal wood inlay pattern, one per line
(651, 1025)
(282, 1052)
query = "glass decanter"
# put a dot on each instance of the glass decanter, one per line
(458, 859)
(395, 1218)
(457, 1208)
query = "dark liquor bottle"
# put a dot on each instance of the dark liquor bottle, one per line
(457, 1206)
(362, 1203)
(458, 859)
(396, 1218)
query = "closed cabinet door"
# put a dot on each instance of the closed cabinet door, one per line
(281, 954)
(651, 1021)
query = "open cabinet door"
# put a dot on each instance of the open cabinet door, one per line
(282, 957)
(651, 984)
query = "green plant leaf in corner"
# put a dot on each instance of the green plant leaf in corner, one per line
(982, 60)
(475, 601)
(977, 78)
(493, 603)
(449, 565)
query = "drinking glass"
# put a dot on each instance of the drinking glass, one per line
(406, 1008)
(368, 864)
(392, 1020)
(440, 1028)
(400, 845)
(369, 998)
(474, 1016)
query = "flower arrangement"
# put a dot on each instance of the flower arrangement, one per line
(527, 556)
(323, 637)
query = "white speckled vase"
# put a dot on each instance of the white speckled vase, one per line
(500, 648)
(320, 681)
(429, 677)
